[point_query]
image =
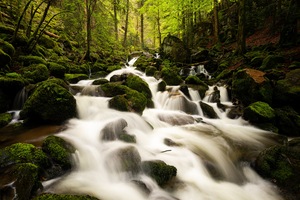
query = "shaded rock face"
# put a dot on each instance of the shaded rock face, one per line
(174, 49)
(287, 121)
(281, 164)
(287, 91)
(259, 112)
(49, 103)
(250, 85)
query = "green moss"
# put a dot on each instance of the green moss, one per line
(127, 138)
(193, 80)
(74, 78)
(100, 81)
(159, 171)
(259, 112)
(113, 68)
(170, 76)
(64, 197)
(7, 47)
(36, 73)
(23, 153)
(56, 70)
(49, 103)
(29, 60)
(13, 75)
(271, 61)
(150, 71)
(27, 183)
(5, 118)
(59, 151)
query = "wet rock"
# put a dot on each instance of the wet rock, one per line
(74, 78)
(124, 98)
(59, 151)
(200, 56)
(287, 91)
(159, 171)
(174, 49)
(127, 160)
(161, 86)
(281, 165)
(35, 73)
(64, 197)
(249, 85)
(171, 76)
(259, 112)
(100, 81)
(176, 119)
(287, 121)
(49, 103)
(208, 111)
(115, 130)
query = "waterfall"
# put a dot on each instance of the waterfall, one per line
(212, 156)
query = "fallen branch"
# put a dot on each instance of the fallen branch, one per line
(51, 34)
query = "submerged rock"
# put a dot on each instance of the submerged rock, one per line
(64, 197)
(208, 111)
(159, 171)
(49, 103)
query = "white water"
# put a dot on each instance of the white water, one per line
(222, 145)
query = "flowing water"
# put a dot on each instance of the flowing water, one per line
(212, 156)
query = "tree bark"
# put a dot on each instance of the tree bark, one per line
(158, 27)
(216, 21)
(241, 40)
(116, 20)
(142, 26)
(126, 24)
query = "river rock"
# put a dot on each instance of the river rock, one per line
(161, 172)
(287, 91)
(124, 98)
(287, 121)
(5, 118)
(208, 111)
(250, 85)
(49, 103)
(259, 112)
(281, 165)
(35, 73)
(174, 49)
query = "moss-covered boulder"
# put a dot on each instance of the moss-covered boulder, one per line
(161, 172)
(150, 70)
(23, 153)
(5, 118)
(35, 73)
(192, 79)
(138, 84)
(29, 60)
(100, 81)
(56, 70)
(171, 75)
(124, 98)
(74, 78)
(281, 165)
(59, 151)
(49, 103)
(259, 112)
(64, 197)
(288, 121)
(287, 91)
(250, 85)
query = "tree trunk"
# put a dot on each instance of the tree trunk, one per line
(158, 27)
(241, 40)
(116, 20)
(216, 21)
(88, 30)
(126, 24)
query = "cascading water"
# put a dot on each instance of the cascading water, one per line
(211, 156)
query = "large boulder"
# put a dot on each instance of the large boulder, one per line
(281, 165)
(287, 91)
(174, 49)
(50, 103)
(250, 85)
(35, 73)
(287, 121)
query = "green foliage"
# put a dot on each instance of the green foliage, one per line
(29, 60)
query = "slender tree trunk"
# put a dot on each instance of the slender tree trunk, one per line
(158, 27)
(126, 24)
(216, 21)
(32, 14)
(241, 40)
(116, 20)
